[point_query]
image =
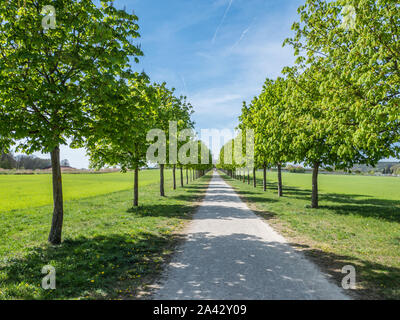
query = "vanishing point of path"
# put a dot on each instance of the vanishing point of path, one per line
(230, 253)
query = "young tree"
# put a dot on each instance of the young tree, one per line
(171, 111)
(316, 127)
(360, 64)
(226, 161)
(120, 139)
(251, 117)
(203, 163)
(48, 77)
(65, 163)
(277, 140)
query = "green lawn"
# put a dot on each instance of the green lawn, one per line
(28, 191)
(357, 185)
(357, 224)
(109, 250)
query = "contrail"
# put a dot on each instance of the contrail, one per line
(184, 84)
(241, 37)
(222, 21)
(243, 34)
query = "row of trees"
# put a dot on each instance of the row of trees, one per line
(9, 161)
(74, 85)
(339, 104)
(29, 162)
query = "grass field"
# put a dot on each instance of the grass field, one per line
(357, 224)
(29, 191)
(110, 251)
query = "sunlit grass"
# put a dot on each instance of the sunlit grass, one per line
(29, 191)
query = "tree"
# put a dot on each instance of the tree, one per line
(120, 139)
(357, 73)
(264, 116)
(65, 163)
(360, 66)
(205, 162)
(170, 111)
(7, 161)
(277, 140)
(316, 127)
(51, 80)
(236, 154)
(226, 159)
(31, 162)
(251, 117)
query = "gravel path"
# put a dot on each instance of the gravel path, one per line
(230, 253)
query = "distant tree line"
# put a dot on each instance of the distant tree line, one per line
(10, 161)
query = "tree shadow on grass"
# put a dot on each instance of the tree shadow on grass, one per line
(180, 211)
(356, 204)
(196, 187)
(168, 210)
(342, 204)
(251, 196)
(389, 211)
(373, 280)
(98, 267)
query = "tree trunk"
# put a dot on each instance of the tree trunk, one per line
(162, 192)
(181, 177)
(248, 176)
(174, 175)
(314, 197)
(280, 190)
(265, 178)
(136, 188)
(187, 176)
(58, 209)
(254, 178)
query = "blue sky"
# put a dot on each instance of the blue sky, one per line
(216, 52)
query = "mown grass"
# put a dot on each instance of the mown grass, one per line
(28, 191)
(110, 250)
(357, 224)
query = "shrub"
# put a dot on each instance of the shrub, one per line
(295, 169)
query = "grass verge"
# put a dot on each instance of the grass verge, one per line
(348, 229)
(110, 251)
